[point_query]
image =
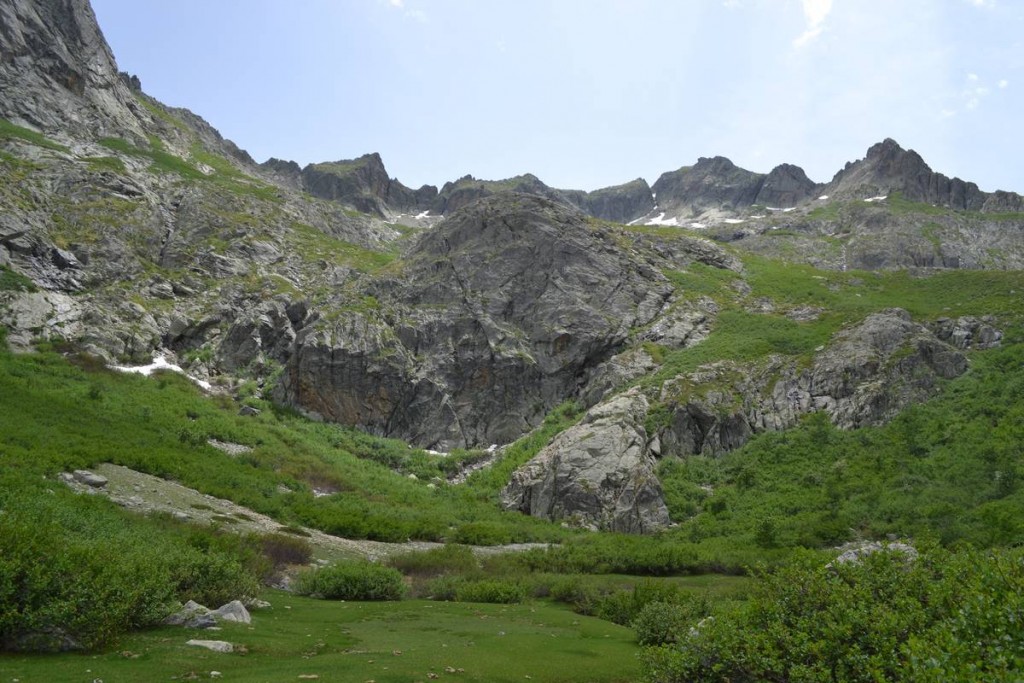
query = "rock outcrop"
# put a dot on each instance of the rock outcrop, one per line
(865, 376)
(598, 474)
(497, 316)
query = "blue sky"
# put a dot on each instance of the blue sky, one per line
(590, 93)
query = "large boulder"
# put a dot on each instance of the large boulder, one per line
(598, 474)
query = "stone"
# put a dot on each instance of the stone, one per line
(233, 611)
(853, 553)
(248, 411)
(214, 645)
(191, 615)
(598, 474)
(96, 481)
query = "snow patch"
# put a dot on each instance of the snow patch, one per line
(760, 215)
(876, 199)
(734, 221)
(823, 197)
(699, 226)
(421, 216)
(160, 363)
(661, 220)
(786, 210)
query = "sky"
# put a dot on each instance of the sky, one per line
(590, 93)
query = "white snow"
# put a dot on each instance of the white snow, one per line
(493, 447)
(823, 197)
(437, 453)
(760, 215)
(734, 221)
(786, 210)
(698, 225)
(423, 215)
(876, 199)
(661, 220)
(160, 363)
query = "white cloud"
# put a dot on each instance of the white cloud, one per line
(397, 3)
(731, 4)
(815, 13)
(982, 3)
(1003, 84)
(972, 77)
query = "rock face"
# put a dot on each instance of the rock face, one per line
(598, 474)
(866, 376)
(497, 317)
(56, 70)
(619, 203)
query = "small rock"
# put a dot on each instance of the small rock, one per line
(233, 611)
(309, 677)
(88, 478)
(214, 645)
(256, 603)
(215, 674)
(248, 411)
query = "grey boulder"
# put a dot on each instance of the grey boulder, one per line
(598, 474)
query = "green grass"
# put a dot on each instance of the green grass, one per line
(314, 245)
(10, 131)
(112, 164)
(900, 205)
(55, 416)
(359, 641)
(12, 281)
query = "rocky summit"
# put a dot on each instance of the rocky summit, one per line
(681, 319)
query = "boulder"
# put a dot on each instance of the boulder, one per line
(191, 615)
(233, 611)
(97, 481)
(598, 474)
(214, 645)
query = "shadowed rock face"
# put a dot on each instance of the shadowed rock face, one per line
(499, 315)
(598, 474)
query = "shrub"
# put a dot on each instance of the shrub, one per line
(942, 617)
(355, 580)
(77, 572)
(283, 550)
(659, 623)
(502, 591)
(449, 559)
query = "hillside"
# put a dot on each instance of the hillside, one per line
(667, 381)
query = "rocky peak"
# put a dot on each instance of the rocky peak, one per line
(364, 183)
(786, 185)
(888, 168)
(711, 183)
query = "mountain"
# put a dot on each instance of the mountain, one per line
(463, 317)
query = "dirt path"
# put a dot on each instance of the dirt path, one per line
(145, 493)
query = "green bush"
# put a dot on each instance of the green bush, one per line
(501, 591)
(449, 559)
(660, 623)
(354, 580)
(944, 617)
(282, 550)
(77, 572)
